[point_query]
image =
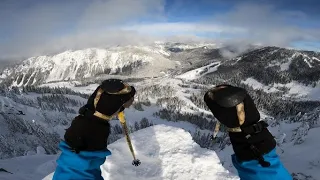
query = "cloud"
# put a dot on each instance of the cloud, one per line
(75, 41)
(103, 13)
(100, 39)
(266, 25)
(45, 26)
(182, 27)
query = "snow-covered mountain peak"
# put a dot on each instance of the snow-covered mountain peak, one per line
(280, 56)
(71, 65)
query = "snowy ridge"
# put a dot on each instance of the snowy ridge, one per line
(257, 85)
(166, 153)
(186, 46)
(284, 63)
(72, 65)
(197, 73)
(311, 61)
(284, 57)
(295, 89)
(170, 153)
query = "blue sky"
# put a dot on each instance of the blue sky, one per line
(35, 27)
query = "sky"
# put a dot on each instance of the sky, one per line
(37, 27)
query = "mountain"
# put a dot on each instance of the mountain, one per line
(76, 65)
(267, 65)
(283, 82)
(35, 118)
(272, 65)
(278, 65)
(270, 73)
(134, 61)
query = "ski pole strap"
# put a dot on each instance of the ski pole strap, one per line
(126, 132)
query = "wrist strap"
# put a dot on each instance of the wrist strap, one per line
(250, 130)
(257, 153)
(253, 129)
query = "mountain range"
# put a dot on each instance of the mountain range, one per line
(40, 96)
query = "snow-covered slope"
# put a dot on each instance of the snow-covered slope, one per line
(71, 65)
(178, 47)
(170, 153)
(166, 153)
(293, 89)
(197, 73)
(33, 167)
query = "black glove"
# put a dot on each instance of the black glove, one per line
(250, 137)
(87, 133)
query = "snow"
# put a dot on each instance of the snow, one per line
(257, 85)
(295, 89)
(41, 150)
(160, 147)
(135, 116)
(306, 61)
(306, 154)
(196, 73)
(28, 167)
(301, 91)
(316, 59)
(170, 153)
(285, 66)
(186, 46)
(166, 150)
(163, 157)
(86, 63)
(166, 153)
(72, 85)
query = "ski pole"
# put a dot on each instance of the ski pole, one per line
(121, 116)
